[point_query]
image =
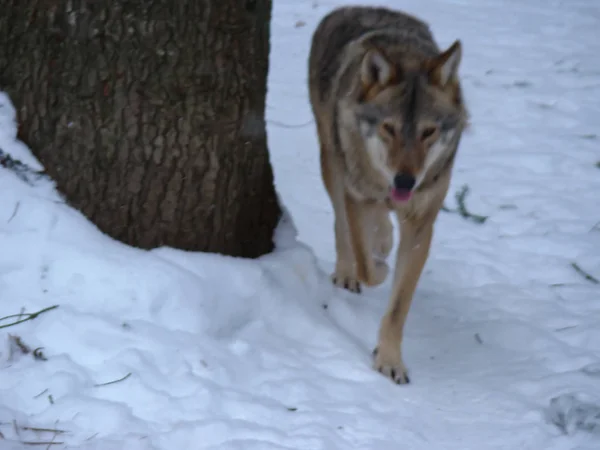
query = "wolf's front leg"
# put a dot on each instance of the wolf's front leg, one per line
(412, 255)
(345, 267)
(344, 275)
(363, 218)
(383, 232)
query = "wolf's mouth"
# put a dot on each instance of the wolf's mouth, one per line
(401, 195)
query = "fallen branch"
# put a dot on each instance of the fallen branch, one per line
(30, 316)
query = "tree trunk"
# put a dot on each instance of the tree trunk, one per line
(149, 115)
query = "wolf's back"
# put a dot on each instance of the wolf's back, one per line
(378, 26)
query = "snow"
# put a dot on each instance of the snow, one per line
(502, 341)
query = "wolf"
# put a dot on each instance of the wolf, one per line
(389, 113)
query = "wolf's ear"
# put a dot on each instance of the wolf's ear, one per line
(376, 68)
(445, 67)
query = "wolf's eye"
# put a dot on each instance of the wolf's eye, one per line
(428, 132)
(388, 129)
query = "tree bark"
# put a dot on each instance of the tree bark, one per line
(149, 115)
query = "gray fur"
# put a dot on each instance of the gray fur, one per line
(388, 107)
(375, 26)
(339, 45)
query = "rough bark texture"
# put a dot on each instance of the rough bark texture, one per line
(149, 115)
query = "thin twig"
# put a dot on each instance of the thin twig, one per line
(44, 430)
(462, 207)
(41, 393)
(584, 274)
(29, 316)
(48, 443)
(114, 381)
(23, 313)
(570, 327)
(56, 433)
(92, 436)
(14, 212)
(39, 355)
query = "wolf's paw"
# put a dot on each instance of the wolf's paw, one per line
(390, 364)
(346, 281)
(378, 274)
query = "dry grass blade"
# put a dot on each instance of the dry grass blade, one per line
(30, 316)
(114, 381)
(24, 348)
(44, 430)
(584, 274)
(461, 209)
(14, 212)
(40, 394)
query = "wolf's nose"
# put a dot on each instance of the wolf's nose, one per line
(404, 182)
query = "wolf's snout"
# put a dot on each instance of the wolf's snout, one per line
(404, 182)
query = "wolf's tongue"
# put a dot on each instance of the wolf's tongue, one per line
(401, 195)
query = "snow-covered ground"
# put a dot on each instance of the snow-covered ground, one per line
(209, 352)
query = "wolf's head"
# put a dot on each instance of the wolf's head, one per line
(409, 113)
